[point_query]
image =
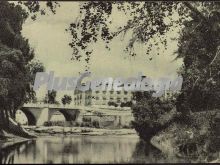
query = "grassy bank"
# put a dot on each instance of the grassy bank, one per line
(59, 130)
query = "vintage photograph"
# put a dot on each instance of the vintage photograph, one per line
(110, 82)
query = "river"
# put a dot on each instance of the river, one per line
(85, 149)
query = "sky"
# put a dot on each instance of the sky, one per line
(48, 38)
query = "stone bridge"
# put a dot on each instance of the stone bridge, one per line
(38, 114)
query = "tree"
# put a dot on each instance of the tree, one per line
(199, 46)
(17, 70)
(51, 97)
(15, 55)
(66, 99)
(33, 67)
(151, 114)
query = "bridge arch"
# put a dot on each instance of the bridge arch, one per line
(30, 116)
(68, 114)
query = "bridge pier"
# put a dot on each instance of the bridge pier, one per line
(43, 117)
(36, 116)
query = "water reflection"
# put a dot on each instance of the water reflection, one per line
(7, 154)
(147, 153)
(85, 149)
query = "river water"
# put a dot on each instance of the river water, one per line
(85, 149)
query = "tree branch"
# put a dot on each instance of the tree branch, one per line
(217, 53)
(195, 10)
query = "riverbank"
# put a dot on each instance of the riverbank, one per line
(58, 130)
(196, 139)
(9, 140)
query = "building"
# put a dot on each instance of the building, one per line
(90, 98)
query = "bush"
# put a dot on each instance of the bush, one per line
(86, 130)
(77, 124)
(85, 119)
(110, 103)
(82, 124)
(88, 124)
(95, 124)
(47, 124)
(126, 104)
(54, 123)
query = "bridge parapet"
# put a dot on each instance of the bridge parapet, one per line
(39, 105)
(90, 108)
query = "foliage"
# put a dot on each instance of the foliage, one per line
(54, 123)
(66, 99)
(149, 114)
(50, 97)
(111, 103)
(34, 7)
(199, 24)
(15, 56)
(126, 104)
(95, 124)
(146, 20)
(199, 47)
(33, 67)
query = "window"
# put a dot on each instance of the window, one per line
(125, 99)
(104, 92)
(111, 98)
(118, 92)
(125, 92)
(104, 98)
(96, 91)
(111, 92)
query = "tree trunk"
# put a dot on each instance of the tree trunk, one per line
(4, 119)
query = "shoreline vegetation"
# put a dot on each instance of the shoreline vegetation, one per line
(56, 130)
